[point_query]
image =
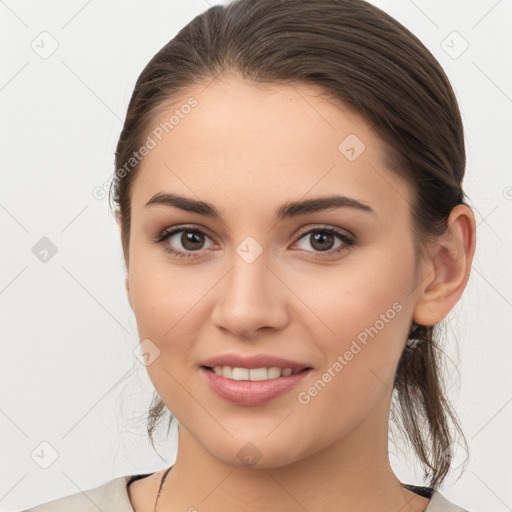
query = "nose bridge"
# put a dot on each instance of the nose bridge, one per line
(249, 297)
(249, 274)
(248, 282)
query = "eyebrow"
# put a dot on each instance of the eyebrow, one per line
(288, 210)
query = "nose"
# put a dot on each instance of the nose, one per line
(250, 298)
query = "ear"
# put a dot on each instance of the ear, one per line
(446, 273)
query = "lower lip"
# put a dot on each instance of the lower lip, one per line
(247, 392)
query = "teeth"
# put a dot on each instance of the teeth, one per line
(253, 374)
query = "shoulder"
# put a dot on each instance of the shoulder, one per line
(438, 503)
(111, 496)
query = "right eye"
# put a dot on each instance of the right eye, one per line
(191, 240)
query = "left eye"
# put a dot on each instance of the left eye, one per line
(323, 240)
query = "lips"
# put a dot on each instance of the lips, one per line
(252, 393)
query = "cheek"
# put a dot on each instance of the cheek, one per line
(360, 351)
(361, 315)
(159, 291)
(169, 304)
(348, 302)
(163, 302)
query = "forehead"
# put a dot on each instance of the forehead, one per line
(232, 138)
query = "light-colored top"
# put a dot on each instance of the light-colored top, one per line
(113, 496)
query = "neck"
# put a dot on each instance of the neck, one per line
(352, 473)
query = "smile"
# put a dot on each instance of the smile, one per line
(253, 374)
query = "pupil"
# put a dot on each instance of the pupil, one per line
(320, 239)
(191, 241)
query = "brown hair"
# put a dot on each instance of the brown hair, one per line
(367, 60)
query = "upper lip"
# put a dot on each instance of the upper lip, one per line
(253, 361)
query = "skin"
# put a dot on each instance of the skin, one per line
(248, 149)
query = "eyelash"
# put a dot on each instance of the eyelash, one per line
(348, 241)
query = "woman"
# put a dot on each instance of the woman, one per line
(289, 194)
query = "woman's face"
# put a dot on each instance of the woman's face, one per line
(332, 289)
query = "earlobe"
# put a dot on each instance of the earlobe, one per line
(449, 268)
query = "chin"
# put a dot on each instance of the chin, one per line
(256, 452)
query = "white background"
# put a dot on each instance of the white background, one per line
(68, 374)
